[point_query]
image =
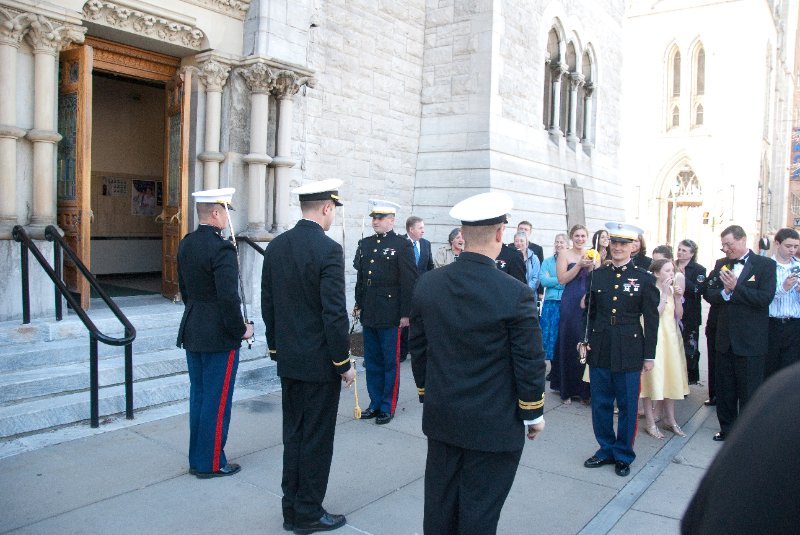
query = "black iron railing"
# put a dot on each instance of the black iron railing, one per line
(251, 243)
(52, 234)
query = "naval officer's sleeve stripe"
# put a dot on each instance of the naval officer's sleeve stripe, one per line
(342, 363)
(531, 405)
(421, 391)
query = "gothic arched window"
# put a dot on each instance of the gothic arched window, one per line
(674, 88)
(698, 85)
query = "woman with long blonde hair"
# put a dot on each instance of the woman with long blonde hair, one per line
(572, 270)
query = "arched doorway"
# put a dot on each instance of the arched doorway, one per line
(683, 195)
(122, 168)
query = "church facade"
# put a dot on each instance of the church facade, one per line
(112, 113)
(708, 119)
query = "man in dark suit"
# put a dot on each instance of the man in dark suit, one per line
(745, 287)
(415, 230)
(620, 296)
(304, 308)
(211, 331)
(385, 279)
(752, 485)
(483, 389)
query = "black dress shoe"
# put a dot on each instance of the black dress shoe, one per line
(622, 469)
(227, 470)
(383, 418)
(720, 437)
(710, 402)
(193, 471)
(326, 522)
(368, 414)
(596, 462)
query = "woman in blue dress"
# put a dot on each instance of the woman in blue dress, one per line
(572, 270)
(551, 302)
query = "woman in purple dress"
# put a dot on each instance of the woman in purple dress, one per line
(572, 270)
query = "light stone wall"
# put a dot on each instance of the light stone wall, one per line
(361, 121)
(483, 84)
(41, 289)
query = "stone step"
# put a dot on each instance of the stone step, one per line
(39, 353)
(51, 411)
(145, 312)
(23, 385)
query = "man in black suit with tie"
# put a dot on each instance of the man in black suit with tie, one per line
(483, 389)
(304, 308)
(742, 286)
(415, 230)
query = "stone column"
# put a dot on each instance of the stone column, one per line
(588, 89)
(213, 75)
(287, 85)
(47, 37)
(575, 81)
(12, 28)
(260, 79)
(559, 70)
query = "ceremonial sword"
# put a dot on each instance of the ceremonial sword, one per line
(241, 283)
(357, 408)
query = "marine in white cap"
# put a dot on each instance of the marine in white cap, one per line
(622, 331)
(386, 272)
(478, 362)
(211, 331)
(221, 196)
(304, 308)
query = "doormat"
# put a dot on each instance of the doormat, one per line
(119, 291)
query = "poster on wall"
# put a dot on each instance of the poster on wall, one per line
(115, 187)
(143, 198)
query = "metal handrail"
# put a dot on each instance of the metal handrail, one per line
(52, 234)
(251, 243)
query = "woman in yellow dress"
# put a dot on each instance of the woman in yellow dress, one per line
(667, 380)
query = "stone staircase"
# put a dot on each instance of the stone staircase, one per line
(44, 366)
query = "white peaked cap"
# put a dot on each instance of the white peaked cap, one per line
(215, 196)
(381, 207)
(320, 190)
(623, 232)
(483, 209)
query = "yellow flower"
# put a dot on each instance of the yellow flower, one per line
(591, 254)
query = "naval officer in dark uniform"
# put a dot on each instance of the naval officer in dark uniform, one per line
(386, 273)
(304, 308)
(483, 389)
(619, 349)
(211, 331)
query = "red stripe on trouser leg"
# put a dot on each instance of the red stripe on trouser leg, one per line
(396, 370)
(636, 426)
(223, 401)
